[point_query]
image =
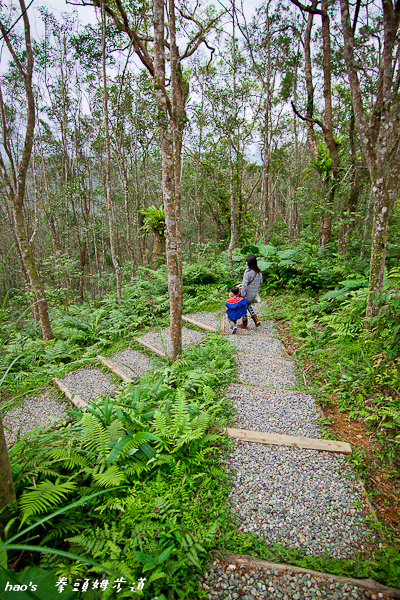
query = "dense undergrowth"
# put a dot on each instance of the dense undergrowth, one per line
(136, 485)
(151, 451)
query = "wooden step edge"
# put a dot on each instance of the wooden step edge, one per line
(197, 324)
(151, 348)
(245, 560)
(278, 439)
(114, 369)
(74, 398)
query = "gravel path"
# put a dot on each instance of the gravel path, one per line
(297, 498)
(132, 363)
(229, 582)
(264, 345)
(256, 369)
(162, 340)
(89, 384)
(212, 319)
(279, 411)
(40, 411)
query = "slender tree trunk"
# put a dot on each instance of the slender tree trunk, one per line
(169, 171)
(326, 231)
(311, 139)
(110, 207)
(233, 205)
(196, 177)
(18, 193)
(382, 152)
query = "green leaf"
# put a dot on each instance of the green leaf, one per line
(283, 254)
(43, 496)
(333, 294)
(286, 263)
(3, 559)
(250, 249)
(164, 555)
(267, 250)
(147, 450)
(144, 558)
(144, 435)
(56, 513)
(117, 449)
(263, 265)
(112, 476)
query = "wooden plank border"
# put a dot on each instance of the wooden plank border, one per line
(74, 398)
(151, 348)
(198, 324)
(114, 369)
(254, 563)
(288, 440)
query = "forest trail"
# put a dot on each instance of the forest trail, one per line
(298, 498)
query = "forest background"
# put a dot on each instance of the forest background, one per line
(146, 154)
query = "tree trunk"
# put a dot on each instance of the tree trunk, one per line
(382, 152)
(168, 179)
(110, 208)
(326, 231)
(233, 206)
(18, 193)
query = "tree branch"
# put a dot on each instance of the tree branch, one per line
(309, 9)
(307, 119)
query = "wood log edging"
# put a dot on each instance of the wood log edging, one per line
(151, 348)
(198, 324)
(114, 369)
(74, 398)
(252, 562)
(278, 439)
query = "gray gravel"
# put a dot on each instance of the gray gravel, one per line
(275, 411)
(132, 363)
(162, 340)
(267, 328)
(212, 319)
(299, 498)
(40, 411)
(262, 345)
(257, 369)
(89, 384)
(230, 582)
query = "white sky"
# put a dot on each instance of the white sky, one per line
(87, 13)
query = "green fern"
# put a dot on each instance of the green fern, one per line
(110, 478)
(44, 496)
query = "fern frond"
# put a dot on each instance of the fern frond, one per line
(69, 457)
(111, 477)
(43, 497)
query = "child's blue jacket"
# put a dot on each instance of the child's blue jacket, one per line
(236, 308)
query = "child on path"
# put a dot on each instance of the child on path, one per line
(252, 279)
(236, 307)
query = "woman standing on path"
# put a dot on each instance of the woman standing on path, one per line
(252, 279)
